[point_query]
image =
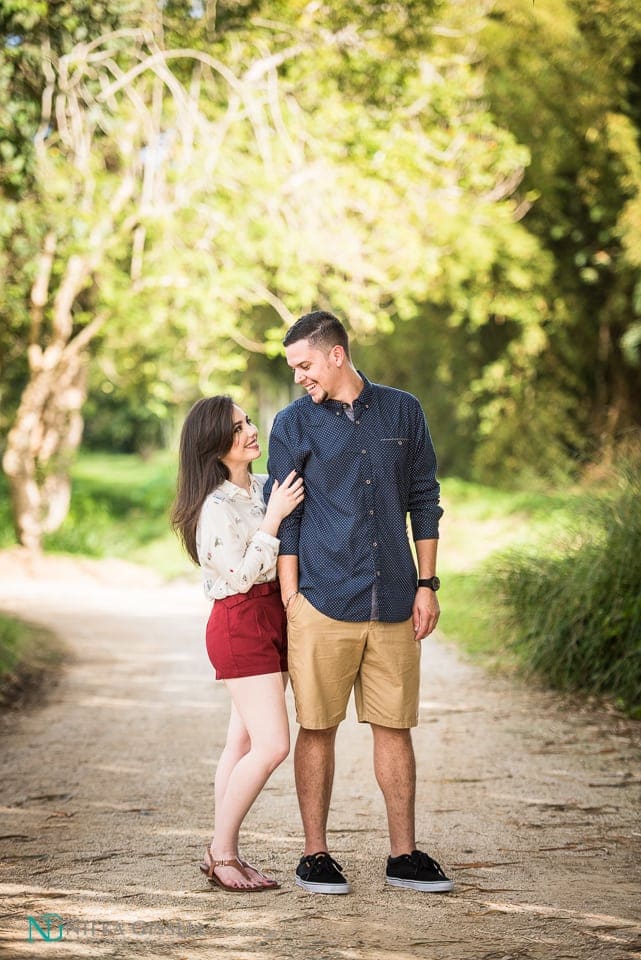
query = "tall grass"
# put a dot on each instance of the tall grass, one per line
(574, 614)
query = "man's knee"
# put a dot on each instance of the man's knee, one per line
(395, 735)
(325, 735)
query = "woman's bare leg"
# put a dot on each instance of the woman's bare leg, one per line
(260, 709)
(236, 746)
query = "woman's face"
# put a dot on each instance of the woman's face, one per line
(244, 448)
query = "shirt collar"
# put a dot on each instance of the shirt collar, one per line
(232, 492)
(362, 401)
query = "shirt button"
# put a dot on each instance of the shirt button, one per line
(363, 451)
(368, 481)
(357, 421)
(375, 544)
(378, 573)
(371, 513)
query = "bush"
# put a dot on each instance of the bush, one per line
(574, 616)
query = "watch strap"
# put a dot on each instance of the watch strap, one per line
(432, 582)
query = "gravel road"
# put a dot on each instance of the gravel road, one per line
(531, 803)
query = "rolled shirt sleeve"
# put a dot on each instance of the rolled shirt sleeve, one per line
(424, 494)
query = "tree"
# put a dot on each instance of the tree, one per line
(110, 107)
(577, 69)
(274, 167)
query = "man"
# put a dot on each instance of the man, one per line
(356, 612)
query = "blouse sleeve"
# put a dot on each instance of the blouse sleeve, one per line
(224, 551)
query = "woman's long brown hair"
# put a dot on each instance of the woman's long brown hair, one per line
(206, 436)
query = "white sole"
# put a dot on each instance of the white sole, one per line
(335, 888)
(425, 886)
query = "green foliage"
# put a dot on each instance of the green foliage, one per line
(464, 188)
(468, 617)
(479, 521)
(573, 612)
(32, 32)
(565, 77)
(7, 533)
(363, 173)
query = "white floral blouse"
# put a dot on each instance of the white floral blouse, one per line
(233, 553)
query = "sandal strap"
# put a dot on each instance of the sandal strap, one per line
(210, 864)
(234, 862)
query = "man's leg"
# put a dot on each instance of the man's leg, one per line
(314, 771)
(324, 657)
(317, 871)
(395, 769)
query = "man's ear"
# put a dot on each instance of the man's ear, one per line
(338, 355)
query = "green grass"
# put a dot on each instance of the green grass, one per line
(29, 656)
(468, 617)
(120, 508)
(574, 616)
(486, 519)
(480, 521)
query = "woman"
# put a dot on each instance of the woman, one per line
(222, 520)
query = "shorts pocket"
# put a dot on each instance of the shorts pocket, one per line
(295, 604)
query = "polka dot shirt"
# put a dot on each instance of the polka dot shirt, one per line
(365, 469)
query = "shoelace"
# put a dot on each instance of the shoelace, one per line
(320, 863)
(419, 859)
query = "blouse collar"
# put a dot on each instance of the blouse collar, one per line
(233, 492)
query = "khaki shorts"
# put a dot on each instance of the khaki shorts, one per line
(327, 658)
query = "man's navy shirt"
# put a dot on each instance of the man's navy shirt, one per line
(362, 477)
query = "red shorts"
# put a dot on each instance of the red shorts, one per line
(247, 633)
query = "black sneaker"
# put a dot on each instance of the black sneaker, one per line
(417, 871)
(319, 873)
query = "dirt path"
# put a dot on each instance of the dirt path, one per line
(532, 806)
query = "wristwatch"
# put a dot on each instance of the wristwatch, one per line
(433, 583)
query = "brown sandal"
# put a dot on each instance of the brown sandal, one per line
(269, 884)
(209, 867)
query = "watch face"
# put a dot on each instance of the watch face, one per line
(435, 583)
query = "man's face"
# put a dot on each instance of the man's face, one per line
(314, 369)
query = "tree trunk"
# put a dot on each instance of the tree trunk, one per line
(48, 427)
(42, 444)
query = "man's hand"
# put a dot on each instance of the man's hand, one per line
(288, 575)
(425, 612)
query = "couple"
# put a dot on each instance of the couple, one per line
(320, 583)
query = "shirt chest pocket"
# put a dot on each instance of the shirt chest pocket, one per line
(395, 452)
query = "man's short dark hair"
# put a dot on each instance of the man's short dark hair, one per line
(321, 328)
